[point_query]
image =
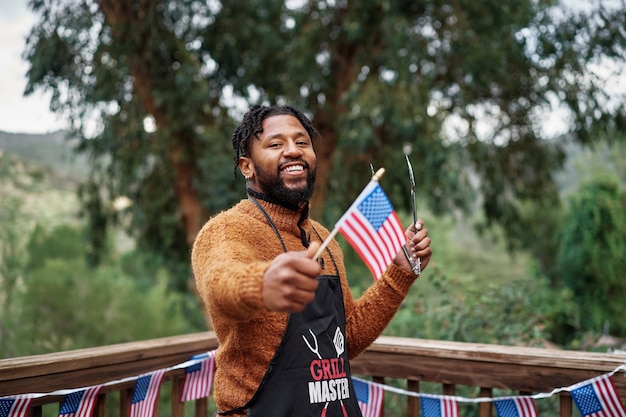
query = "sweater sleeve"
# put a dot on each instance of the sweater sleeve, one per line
(368, 316)
(228, 276)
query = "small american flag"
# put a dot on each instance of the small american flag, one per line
(373, 229)
(17, 406)
(80, 403)
(369, 397)
(516, 407)
(199, 377)
(598, 398)
(146, 394)
(439, 407)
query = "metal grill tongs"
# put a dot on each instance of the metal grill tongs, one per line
(416, 266)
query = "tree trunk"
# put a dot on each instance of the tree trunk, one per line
(192, 212)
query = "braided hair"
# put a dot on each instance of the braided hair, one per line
(252, 126)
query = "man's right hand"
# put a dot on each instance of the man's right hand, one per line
(290, 282)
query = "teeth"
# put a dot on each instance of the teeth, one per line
(294, 168)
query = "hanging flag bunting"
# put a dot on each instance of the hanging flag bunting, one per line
(199, 377)
(439, 407)
(373, 229)
(369, 396)
(598, 398)
(146, 394)
(17, 406)
(516, 407)
(80, 403)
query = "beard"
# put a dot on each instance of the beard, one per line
(273, 186)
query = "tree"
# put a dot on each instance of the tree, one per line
(591, 255)
(377, 78)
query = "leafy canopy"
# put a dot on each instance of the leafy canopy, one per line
(154, 87)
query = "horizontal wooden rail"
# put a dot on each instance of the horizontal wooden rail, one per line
(524, 369)
(93, 366)
(450, 364)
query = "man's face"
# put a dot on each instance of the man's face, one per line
(281, 162)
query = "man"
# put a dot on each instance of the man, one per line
(287, 325)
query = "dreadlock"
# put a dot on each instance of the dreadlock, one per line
(252, 126)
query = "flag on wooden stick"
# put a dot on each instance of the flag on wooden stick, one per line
(373, 228)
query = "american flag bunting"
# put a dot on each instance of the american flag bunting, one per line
(199, 377)
(516, 407)
(439, 407)
(146, 394)
(369, 396)
(598, 398)
(80, 403)
(373, 229)
(17, 406)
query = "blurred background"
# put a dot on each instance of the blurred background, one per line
(115, 148)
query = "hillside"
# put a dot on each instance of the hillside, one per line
(39, 175)
(53, 150)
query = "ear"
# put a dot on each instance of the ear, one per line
(246, 166)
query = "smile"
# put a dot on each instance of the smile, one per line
(293, 168)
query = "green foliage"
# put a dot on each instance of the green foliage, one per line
(62, 242)
(377, 77)
(69, 306)
(476, 291)
(591, 255)
(63, 304)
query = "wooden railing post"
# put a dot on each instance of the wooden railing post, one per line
(485, 408)
(36, 411)
(99, 409)
(565, 405)
(412, 403)
(202, 407)
(449, 389)
(126, 397)
(178, 407)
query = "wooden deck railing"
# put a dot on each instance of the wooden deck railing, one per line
(415, 361)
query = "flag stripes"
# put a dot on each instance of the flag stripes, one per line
(439, 407)
(373, 229)
(80, 403)
(598, 398)
(17, 406)
(146, 394)
(516, 407)
(369, 397)
(199, 377)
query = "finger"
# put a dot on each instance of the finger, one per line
(419, 225)
(418, 248)
(300, 296)
(420, 235)
(308, 283)
(312, 249)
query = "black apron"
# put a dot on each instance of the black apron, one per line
(310, 373)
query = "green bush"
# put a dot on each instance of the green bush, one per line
(591, 257)
(62, 304)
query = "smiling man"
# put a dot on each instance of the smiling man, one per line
(287, 325)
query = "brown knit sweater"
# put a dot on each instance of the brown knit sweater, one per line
(229, 258)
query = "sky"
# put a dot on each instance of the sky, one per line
(19, 114)
(31, 114)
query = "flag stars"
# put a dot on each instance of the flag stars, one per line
(376, 208)
(586, 400)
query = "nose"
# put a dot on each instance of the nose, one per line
(292, 149)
